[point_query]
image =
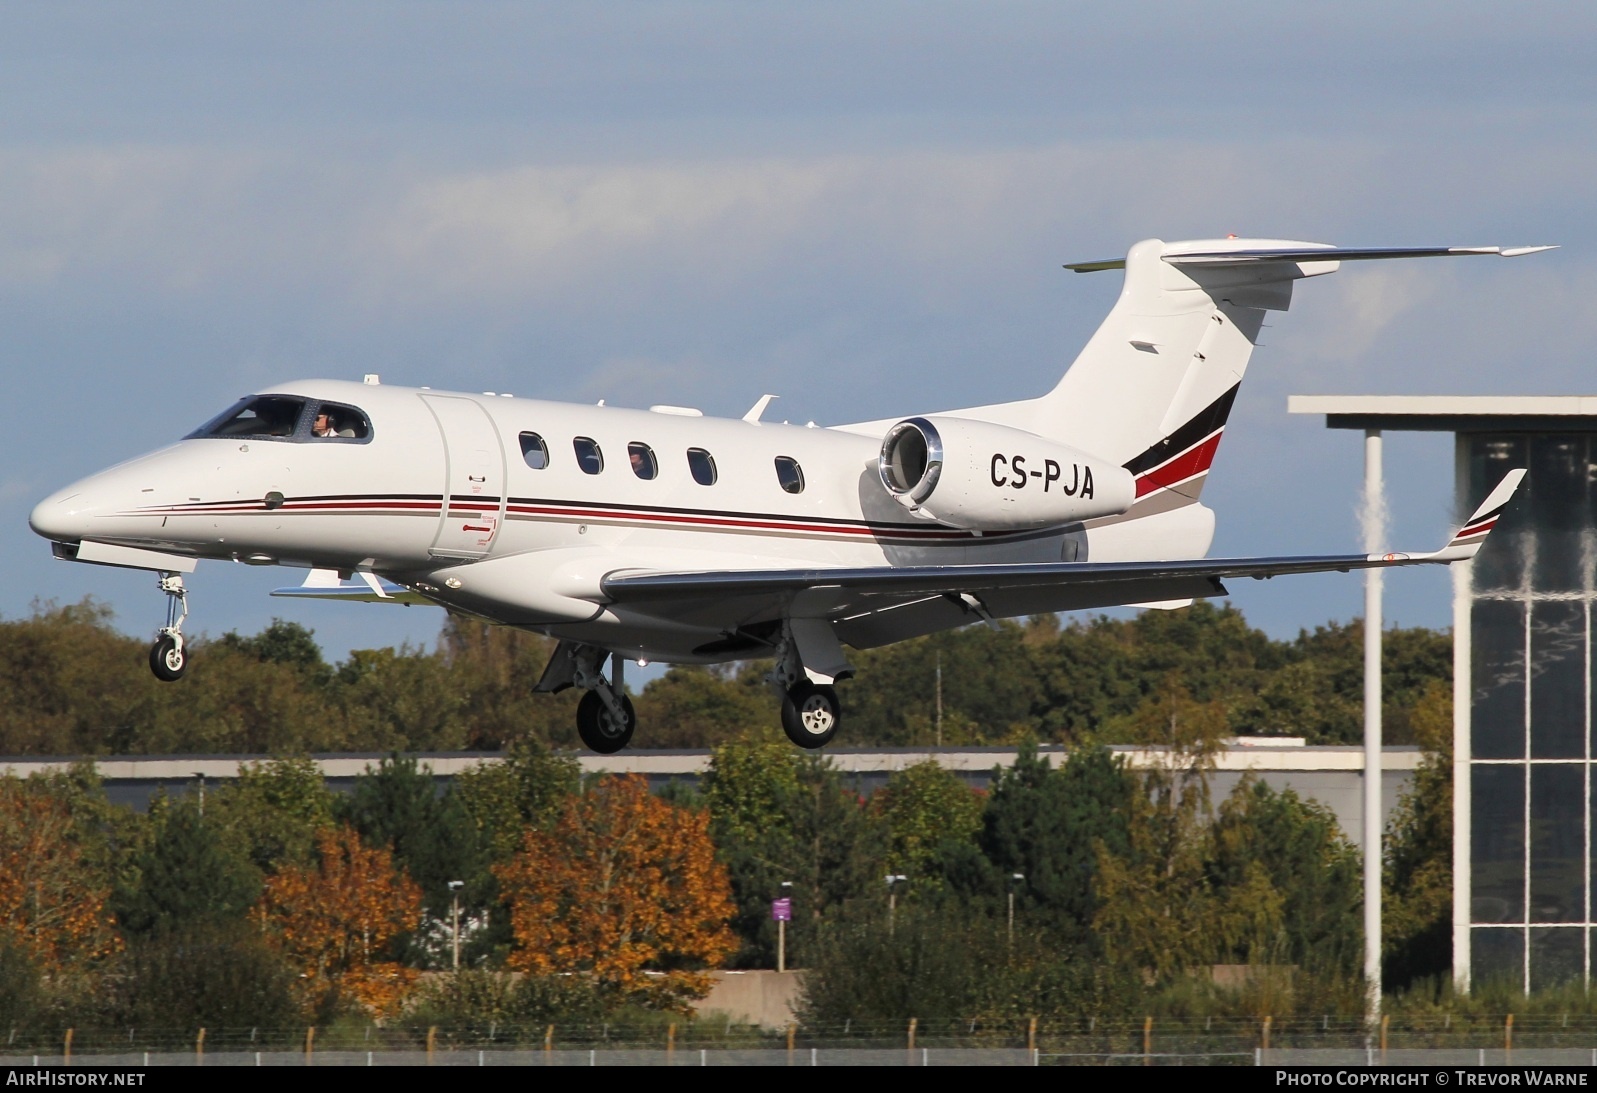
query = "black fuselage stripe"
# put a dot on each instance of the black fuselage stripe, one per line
(1203, 424)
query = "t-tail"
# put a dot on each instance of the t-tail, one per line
(1155, 385)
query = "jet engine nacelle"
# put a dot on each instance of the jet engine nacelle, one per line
(985, 477)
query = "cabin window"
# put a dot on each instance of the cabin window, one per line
(534, 451)
(702, 464)
(789, 474)
(589, 457)
(643, 461)
(272, 417)
(330, 421)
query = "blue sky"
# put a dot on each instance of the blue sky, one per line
(851, 205)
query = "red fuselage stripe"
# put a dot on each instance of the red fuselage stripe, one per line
(468, 509)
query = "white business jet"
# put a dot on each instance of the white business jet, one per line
(665, 535)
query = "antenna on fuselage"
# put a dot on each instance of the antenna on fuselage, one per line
(759, 408)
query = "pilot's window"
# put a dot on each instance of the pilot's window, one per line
(534, 451)
(589, 457)
(702, 464)
(333, 422)
(261, 416)
(789, 474)
(642, 457)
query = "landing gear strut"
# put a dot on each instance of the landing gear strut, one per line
(169, 656)
(811, 711)
(605, 718)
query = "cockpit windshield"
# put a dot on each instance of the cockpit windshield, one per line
(261, 416)
(284, 417)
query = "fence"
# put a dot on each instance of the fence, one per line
(1441, 1039)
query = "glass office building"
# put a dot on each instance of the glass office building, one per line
(1524, 908)
(1530, 726)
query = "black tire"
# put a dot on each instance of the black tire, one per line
(811, 714)
(168, 660)
(596, 724)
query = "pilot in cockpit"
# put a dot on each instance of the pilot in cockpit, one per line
(327, 426)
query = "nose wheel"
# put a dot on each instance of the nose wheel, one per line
(169, 655)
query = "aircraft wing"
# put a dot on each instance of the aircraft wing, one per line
(861, 601)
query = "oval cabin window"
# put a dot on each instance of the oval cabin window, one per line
(642, 459)
(789, 474)
(534, 451)
(589, 457)
(702, 464)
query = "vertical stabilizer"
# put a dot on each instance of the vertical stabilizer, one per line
(1153, 388)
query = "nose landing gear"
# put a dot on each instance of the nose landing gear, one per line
(169, 656)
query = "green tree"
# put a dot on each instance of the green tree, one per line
(1156, 910)
(776, 816)
(1096, 671)
(208, 975)
(939, 967)
(1273, 849)
(402, 699)
(432, 836)
(283, 643)
(989, 688)
(695, 707)
(21, 985)
(272, 811)
(525, 789)
(927, 807)
(492, 669)
(1417, 883)
(1049, 825)
(186, 875)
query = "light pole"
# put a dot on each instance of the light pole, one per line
(1015, 881)
(200, 774)
(454, 919)
(782, 911)
(893, 881)
(1374, 536)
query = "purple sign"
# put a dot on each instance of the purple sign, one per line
(781, 910)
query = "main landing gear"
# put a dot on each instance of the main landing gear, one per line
(169, 655)
(811, 712)
(605, 718)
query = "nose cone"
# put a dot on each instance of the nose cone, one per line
(63, 516)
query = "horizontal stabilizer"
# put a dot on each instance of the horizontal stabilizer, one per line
(1249, 257)
(325, 584)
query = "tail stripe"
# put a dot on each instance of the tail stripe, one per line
(1201, 427)
(1185, 454)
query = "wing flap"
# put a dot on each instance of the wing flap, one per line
(1008, 590)
(325, 584)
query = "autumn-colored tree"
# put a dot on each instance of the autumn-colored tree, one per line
(338, 919)
(625, 883)
(52, 906)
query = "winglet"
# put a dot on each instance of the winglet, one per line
(1468, 539)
